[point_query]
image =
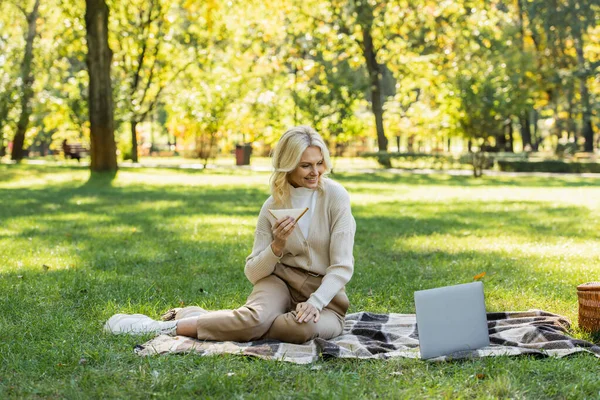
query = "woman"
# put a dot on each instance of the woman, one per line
(298, 270)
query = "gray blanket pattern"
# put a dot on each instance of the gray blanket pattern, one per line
(383, 336)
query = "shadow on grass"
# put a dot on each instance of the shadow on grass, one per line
(465, 218)
(509, 278)
(136, 230)
(380, 284)
(187, 234)
(152, 208)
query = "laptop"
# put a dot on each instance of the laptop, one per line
(451, 319)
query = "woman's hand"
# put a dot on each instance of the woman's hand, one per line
(306, 312)
(282, 229)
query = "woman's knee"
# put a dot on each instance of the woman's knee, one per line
(302, 332)
(256, 317)
(269, 298)
(329, 326)
(287, 329)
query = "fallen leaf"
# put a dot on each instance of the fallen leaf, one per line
(479, 276)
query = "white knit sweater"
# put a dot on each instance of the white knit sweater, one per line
(326, 251)
(302, 197)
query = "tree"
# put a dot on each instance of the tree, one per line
(27, 82)
(358, 21)
(103, 150)
(379, 31)
(67, 103)
(558, 30)
(8, 71)
(5, 107)
(579, 23)
(326, 88)
(144, 60)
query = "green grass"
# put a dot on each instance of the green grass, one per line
(74, 251)
(343, 163)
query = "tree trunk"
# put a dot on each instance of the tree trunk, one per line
(525, 132)
(510, 146)
(375, 77)
(103, 151)
(27, 78)
(375, 82)
(134, 143)
(535, 140)
(501, 142)
(4, 110)
(586, 115)
(478, 160)
(571, 135)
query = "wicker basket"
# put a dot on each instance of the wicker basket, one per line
(589, 306)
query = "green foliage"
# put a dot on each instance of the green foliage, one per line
(143, 45)
(11, 52)
(241, 71)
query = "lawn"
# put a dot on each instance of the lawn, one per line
(75, 251)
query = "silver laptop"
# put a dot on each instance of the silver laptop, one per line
(451, 319)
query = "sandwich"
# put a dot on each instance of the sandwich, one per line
(295, 213)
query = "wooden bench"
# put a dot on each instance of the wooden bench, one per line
(74, 151)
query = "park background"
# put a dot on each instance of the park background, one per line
(412, 84)
(195, 79)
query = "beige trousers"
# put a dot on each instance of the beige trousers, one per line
(270, 312)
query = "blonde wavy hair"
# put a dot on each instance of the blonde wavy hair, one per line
(286, 157)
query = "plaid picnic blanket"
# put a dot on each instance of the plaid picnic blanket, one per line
(368, 335)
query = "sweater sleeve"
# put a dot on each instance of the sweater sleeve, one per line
(341, 257)
(261, 262)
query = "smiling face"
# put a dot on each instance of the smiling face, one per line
(309, 169)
